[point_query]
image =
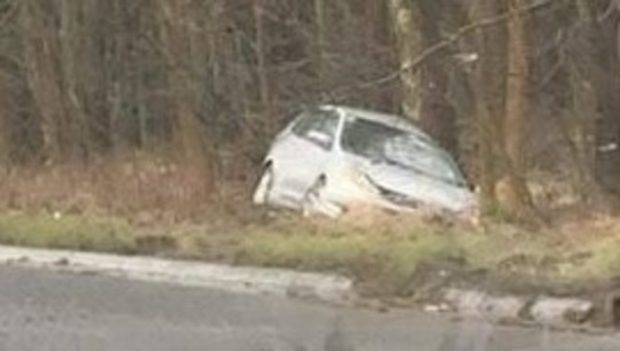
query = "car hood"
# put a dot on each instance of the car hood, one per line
(421, 187)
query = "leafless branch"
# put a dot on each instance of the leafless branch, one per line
(443, 44)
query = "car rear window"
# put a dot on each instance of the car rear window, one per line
(322, 121)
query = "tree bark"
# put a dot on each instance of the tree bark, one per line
(71, 56)
(490, 87)
(5, 127)
(189, 137)
(438, 116)
(321, 43)
(264, 87)
(600, 74)
(406, 22)
(584, 77)
(607, 130)
(41, 55)
(515, 198)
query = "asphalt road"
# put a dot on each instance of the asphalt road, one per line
(41, 310)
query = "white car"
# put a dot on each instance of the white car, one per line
(331, 158)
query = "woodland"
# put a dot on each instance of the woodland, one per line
(523, 93)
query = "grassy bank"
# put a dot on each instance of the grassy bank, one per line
(404, 257)
(384, 261)
(414, 258)
(67, 232)
(147, 206)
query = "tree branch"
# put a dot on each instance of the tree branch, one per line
(450, 40)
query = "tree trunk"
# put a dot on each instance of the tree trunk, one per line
(261, 64)
(41, 55)
(515, 198)
(406, 21)
(599, 64)
(71, 51)
(438, 116)
(321, 43)
(5, 127)
(490, 88)
(607, 130)
(191, 146)
(93, 82)
(584, 77)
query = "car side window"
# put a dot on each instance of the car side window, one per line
(304, 123)
(318, 127)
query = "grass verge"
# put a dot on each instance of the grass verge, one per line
(396, 257)
(383, 263)
(147, 205)
(67, 232)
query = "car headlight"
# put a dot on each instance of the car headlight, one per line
(392, 196)
(360, 180)
(367, 183)
(398, 198)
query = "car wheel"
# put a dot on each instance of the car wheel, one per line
(264, 186)
(314, 203)
(312, 197)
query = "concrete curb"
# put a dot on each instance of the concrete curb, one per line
(471, 303)
(322, 287)
(543, 310)
(554, 311)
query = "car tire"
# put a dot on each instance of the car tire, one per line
(312, 198)
(315, 203)
(264, 186)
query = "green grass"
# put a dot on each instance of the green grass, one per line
(390, 258)
(501, 249)
(386, 259)
(603, 261)
(67, 232)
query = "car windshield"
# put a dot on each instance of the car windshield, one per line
(381, 143)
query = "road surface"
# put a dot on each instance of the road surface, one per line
(42, 310)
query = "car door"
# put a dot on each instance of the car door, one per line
(308, 151)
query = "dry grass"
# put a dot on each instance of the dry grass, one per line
(138, 188)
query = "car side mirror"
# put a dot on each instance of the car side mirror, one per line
(323, 139)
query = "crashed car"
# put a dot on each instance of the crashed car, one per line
(331, 158)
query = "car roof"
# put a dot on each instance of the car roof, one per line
(366, 114)
(381, 117)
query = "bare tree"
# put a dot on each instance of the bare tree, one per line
(41, 56)
(438, 115)
(490, 82)
(406, 22)
(179, 48)
(516, 197)
(5, 127)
